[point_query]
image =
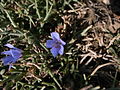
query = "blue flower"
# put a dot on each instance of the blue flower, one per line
(56, 44)
(12, 55)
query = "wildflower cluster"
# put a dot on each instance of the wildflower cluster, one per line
(14, 53)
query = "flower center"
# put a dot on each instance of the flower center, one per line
(56, 44)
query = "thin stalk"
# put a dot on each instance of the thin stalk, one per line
(12, 22)
(47, 7)
(37, 10)
(54, 79)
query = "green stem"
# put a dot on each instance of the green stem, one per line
(54, 79)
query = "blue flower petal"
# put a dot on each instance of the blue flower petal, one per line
(54, 51)
(8, 59)
(55, 36)
(9, 45)
(12, 47)
(61, 50)
(49, 43)
(16, 54)
(62, 42)
(7, 52)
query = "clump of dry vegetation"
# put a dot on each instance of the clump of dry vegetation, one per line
(94, 31)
